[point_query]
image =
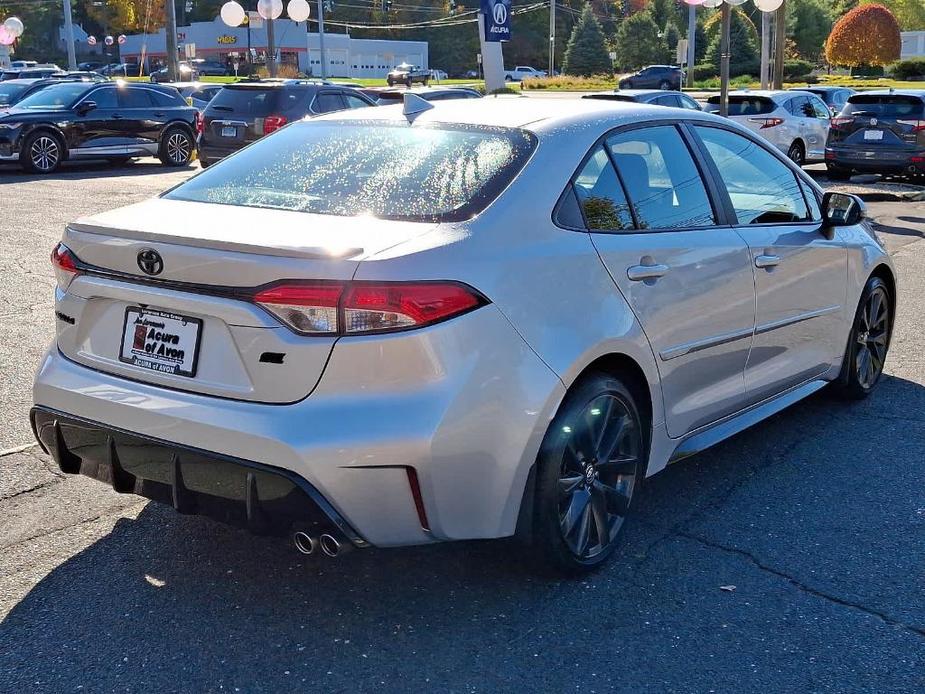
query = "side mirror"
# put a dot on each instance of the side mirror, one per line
(85, 107)
(842, 209)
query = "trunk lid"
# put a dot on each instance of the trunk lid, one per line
(196, 309)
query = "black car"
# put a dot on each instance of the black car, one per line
(81, 120)
(654, 77)
(388, 97)
(834, 97)
(30, 73)
(659, 97)
(246, 111)
(14, 91)
(878, 132)
(408, 74)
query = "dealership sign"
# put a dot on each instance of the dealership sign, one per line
(497, 15)
(225, 39)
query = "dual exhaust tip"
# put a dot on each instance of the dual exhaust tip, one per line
(328, 544)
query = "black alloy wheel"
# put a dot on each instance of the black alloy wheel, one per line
(797, 153)
(42, 153)
(176, 147)
(665, 84)
(591, 462)
(869, 342)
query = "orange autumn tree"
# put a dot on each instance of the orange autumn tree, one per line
(868, 35)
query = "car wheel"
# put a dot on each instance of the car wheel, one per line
(204, 163)
(176, 147)
(591, 461)
(508, 78)
(42, 153)
(868, 343)
(797, 153)
(391, 83)
(408, 83)
(838, 174)
(664, 84)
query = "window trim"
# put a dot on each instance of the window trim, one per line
(720, 211)
(800, 175)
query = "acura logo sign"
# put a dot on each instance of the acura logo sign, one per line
(499, 11)
(150, 261)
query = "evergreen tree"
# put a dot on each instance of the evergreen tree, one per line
(743, 46)
(638, 43)
(586, 53)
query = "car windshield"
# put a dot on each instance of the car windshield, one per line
(55, 97)
(885, 106)
(385, 170)
(10, 92)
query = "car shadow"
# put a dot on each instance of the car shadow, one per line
(88, 169)
(210, 605)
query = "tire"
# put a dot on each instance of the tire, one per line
(176, 147)
(391, 83)
(408, 82)
(868, 343)
(838, 174)
(205, 164)
(580, 503)
(508, 78)
(665, 84)
(42, 153)
(797, 153)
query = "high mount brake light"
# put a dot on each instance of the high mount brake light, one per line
(354, 308)
(65, 265)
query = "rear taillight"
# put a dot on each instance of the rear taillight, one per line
(917, 125)
(267, 125)
(200, 123)
(65, 265)
(839, 123)
(767, 122)
(354, 308)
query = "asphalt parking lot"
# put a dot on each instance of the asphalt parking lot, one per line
(789, 558)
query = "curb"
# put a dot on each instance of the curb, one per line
(880, 196)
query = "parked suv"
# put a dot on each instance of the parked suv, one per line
(79, 120)
(833, 97)
(879, 132)
(654, 77)
(796, 122)
(244, 112)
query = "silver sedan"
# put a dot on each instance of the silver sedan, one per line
(472, 319)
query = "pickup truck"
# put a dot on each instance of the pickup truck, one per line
(522, 71)
(407, 74)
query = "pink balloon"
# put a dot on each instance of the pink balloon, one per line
(6, 38)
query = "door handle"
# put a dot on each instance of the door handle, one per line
(767, 260)
(638, 273)
(116, 116)
(158, 115)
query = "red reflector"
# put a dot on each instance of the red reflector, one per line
(418, 498)
(63, 259)
(376, 307)
(200, 124)
(917, 160)
(271, 123)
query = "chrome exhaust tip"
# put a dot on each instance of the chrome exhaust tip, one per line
(304, 542)
(330, 545)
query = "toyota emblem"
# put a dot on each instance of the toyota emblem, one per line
(499, 12)
(150, 261)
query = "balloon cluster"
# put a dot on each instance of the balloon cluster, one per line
(233, 14)
(11, 30)
(763, 5)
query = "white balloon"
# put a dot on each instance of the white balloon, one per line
(694, 2)
(270, 9)
(232, 14)
(735, 3)
(768, 5)
(14, 26)
(299, 10)
(712, 3)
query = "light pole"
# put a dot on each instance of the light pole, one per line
(69, 36)
(552, 37)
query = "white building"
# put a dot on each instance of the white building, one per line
(913, 45)
(345, 56)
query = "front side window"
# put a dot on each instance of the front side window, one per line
(104, 98)
(762, 188)
(56, 97)
(661, 178)
(600, 195)
(374, 168)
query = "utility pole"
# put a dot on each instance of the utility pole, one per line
(69, 36)
(765, 48)
(691, 40)
(552, 37)
(170, 30)
(724, 61)
(324, 69)
(780, 42)
(271, 48)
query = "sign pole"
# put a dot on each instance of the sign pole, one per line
(492, 60)
(69, 36)
(691, 40)
(171, 35)
(724, 61)
(324, 69)
(552, 37)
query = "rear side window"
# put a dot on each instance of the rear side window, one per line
(246, 102)
(885, 106)
(600, 196)
(762, 188)
(166, 100)
(134, 98)
(354, 101)
(375, 168)
(744, 105)
(326, 102)
(661, 178)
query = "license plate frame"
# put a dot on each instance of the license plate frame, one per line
(229, 131)
(873, 135)
(164, 321)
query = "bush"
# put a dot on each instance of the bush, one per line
(569, 83)
(796, 69)
(704, 71)
(911, 69)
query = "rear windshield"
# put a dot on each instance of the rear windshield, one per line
(10, 92)
(743, 105)
(885, 106)
(386, 170)
(246, 101)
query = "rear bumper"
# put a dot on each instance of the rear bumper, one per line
(211, 152)
(876, 162)
(258, 497)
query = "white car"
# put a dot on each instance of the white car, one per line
(521, 72)
(471, 319)
(797, 123)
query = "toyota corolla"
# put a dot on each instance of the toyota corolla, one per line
(472, 319)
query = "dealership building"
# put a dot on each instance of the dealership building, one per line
(345, 56)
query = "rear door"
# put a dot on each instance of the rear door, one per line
(817, 119)
(100, 127)
(135, 116)
(800, 268)
(687, 278)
